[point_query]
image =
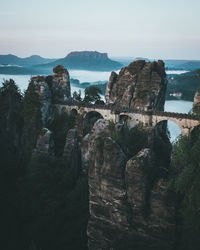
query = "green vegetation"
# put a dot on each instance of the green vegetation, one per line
(11, 125)
(92, 94)
(43, 205)
(77, 96)
(186, 159)
(186, 83)
(55, 206)
(131, 140)
(32, 119)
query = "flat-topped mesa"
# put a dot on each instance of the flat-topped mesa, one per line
(88, 55)
(141, 85)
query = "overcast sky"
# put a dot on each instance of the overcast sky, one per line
(165, 29)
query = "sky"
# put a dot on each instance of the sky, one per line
(156, 29)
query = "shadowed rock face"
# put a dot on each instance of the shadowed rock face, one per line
(60, 84)
(141, 85)
(52, 89)
(72, 153)
(129, 206)
(43, 142)
(196, 104)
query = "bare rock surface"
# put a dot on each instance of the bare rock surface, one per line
(52, 89)
(141, 85)
(129, 207)
(196, 104)
(71, 152)
(60, 84)
(43, 142)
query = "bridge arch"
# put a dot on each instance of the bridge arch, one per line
(74, 112)
(171, 128)
(172, 119)
(124, 118)
(89, 120)
(185, 125)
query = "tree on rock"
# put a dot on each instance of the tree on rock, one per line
(32, 119)
(92, 94)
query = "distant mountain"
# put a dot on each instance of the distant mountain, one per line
(86, 60)
(142, 58)
(27, 61)
(182, 64)
(20, 70)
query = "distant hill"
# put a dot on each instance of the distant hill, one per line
(20, 70)
(186, 83)
(182, 64)
(86, 60)
(27, 61)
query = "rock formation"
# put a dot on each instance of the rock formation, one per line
(129, 207)
(60, 84)
(71, 153)
(52, 89)
(141, 85)
(196, 104)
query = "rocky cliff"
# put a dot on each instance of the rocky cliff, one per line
(196, 103)
(129, 205)
(140, 85)
(52, 89)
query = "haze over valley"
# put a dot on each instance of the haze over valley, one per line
(99, 125)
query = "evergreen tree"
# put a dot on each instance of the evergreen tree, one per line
(32, 119)
(92, 94)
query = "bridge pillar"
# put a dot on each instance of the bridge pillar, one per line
(117, 118)
(185, 131)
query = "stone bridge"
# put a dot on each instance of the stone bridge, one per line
(185, 122)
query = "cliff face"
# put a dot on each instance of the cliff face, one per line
(60, 84)
(129, 207)
(52, 89)
(140, 85)
(196, 104)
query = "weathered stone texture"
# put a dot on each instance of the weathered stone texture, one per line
(60, 84)
(141, 85)
(43, 142)
(52, 89)
(196, 104)
(197, 98)
(71, 152)
(128, 208)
